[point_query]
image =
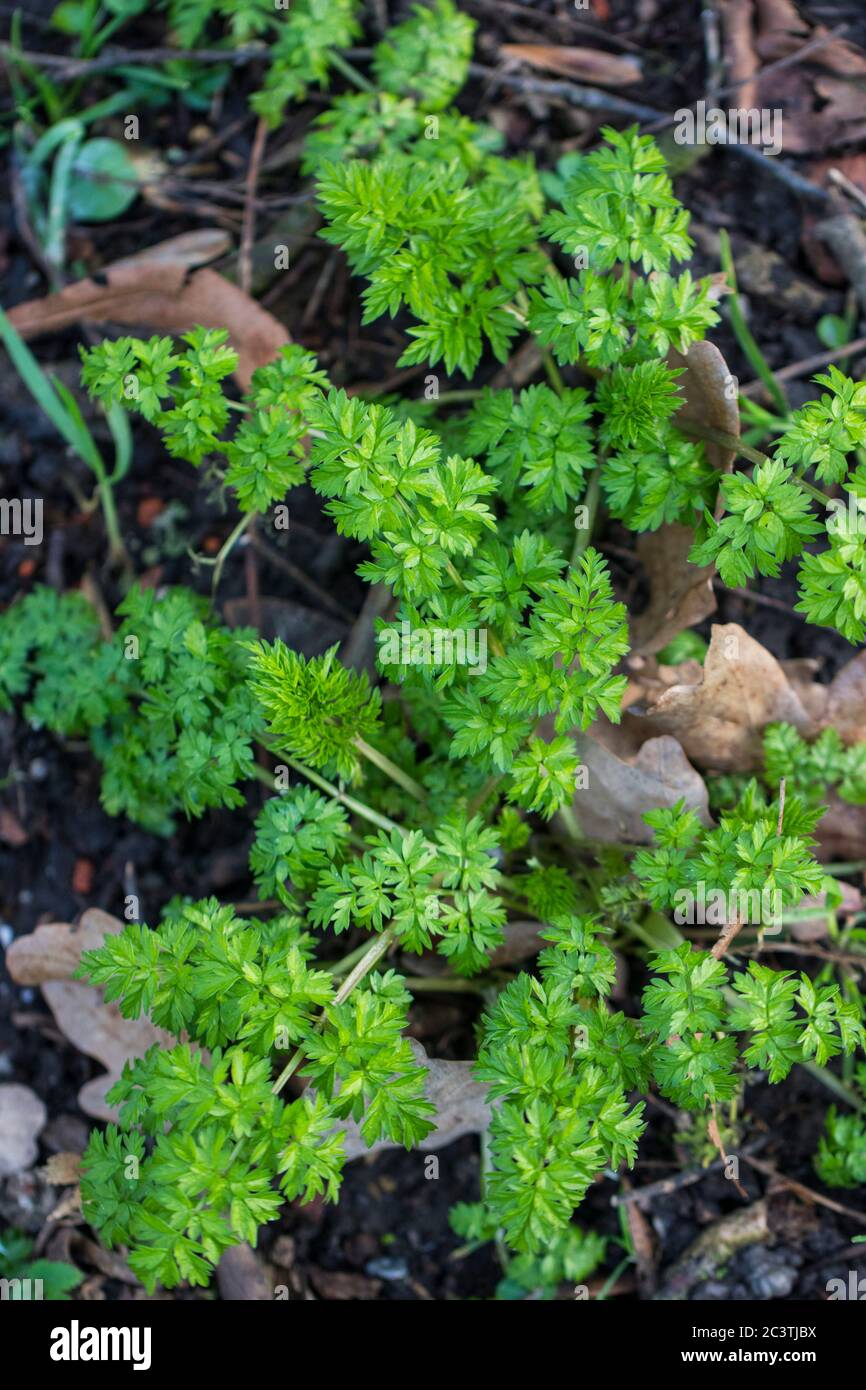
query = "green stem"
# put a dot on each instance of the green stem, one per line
(554, 375)
(591, 501)
(833, 1084)
(477, 801)
(226, 548)
(350, 72)
(390, 768)
(851, 866)
(569, 820)
(350, 802)
(741, 328)
(372, 954)
(739, 446)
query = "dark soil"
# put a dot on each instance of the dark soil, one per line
(389, 1236)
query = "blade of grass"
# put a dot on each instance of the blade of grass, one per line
(63, 411)
(741, 329)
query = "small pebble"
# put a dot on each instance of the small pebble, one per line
(7, 935)
(38, 769)
(386, 1268)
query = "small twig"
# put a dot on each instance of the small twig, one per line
(591, 99)
(842, 181)
(807, 1194)
(766, 600)
(806, 365)
(303, 580)
(664, 1187)
(782, 783)
(846, 239)
(248, 231)
(141, 57)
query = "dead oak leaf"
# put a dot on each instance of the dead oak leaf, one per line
(161, 289)
(719, 720)
(618, 792)
(681, 594)
(49, 957)
(22, 1119)
(584, 64)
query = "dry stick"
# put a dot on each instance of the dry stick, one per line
(664, 1187)
(364, 966)
(304, 581)
(763, 599)
(842, 181)
(806, 1193)
(119, 57)
(245, 253)
(816, 952)
(714, 1135)
(806, 365)
(590, 99)
(846, 239)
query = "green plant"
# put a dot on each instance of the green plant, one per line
(841, 1157)
(419, 823)
(25, 1278)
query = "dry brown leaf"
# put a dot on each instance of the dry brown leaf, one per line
(22, 1118)
(584, 64)
(845, 101)
(158, 289)
(845, 707)
(841, 831)
(681, 594)
(48, 957)
(781, 29)
(63, 1170)
(719, 720)
(741, 61)
(839, 56)
(612, 805)
(241, 1276)
(52, 951)
(709, 394)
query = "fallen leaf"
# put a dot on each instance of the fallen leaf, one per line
(841, 831)
(618, 792)
(48, 957)
(340, 1285)
(63, 1170)
(719, 719)
(781, 28)
(709, 396)
(52, 951)
(845, 707)
(12, 832)
(681, 594)
(159, 288)
(22, 1117)
(241, 1277)
(584, 64)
